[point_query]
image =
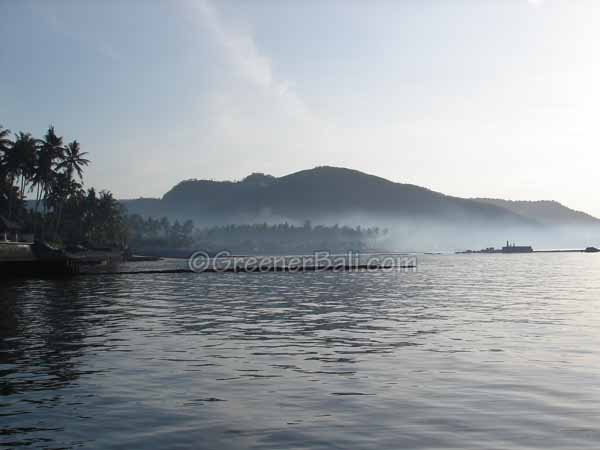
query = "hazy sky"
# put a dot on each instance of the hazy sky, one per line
(472, 98)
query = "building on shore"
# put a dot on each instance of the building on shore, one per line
(512, 248)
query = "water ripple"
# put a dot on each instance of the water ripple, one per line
(480, 351)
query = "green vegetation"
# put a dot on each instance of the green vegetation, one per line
(42, 189)
(286, 238)
(149, 234)
(50, 174)
(158, 233)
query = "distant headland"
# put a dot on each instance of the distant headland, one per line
(328, 193)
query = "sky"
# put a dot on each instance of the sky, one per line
(473, 98)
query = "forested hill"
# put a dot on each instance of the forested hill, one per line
(323, 194)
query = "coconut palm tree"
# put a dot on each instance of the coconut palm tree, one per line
(12, 167)
(5, 142)
(5, 147)
(51, 153)
(73, 160)
(24, 154)
(56, 171)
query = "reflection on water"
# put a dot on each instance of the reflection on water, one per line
(480, 351)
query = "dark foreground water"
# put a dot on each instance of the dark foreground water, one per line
(471, 352)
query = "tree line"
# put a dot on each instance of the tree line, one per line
(285, 237)
(150, 233)
(158, 233)
(42, 189)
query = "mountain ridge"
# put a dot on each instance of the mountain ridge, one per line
(330, 194)
(548, 212)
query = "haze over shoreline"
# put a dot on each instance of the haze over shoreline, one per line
(419, 217)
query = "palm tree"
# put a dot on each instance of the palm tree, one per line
(50, 154)
(13, 159)
(5, 142)
(62, 188)
(73, 160)
(5, 187)
(24, 154)
(56, 171)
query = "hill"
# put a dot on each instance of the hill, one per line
(322, 194)
(545, 212)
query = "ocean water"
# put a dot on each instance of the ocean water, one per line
(469, 352)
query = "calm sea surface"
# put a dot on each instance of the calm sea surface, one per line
(470, 352)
